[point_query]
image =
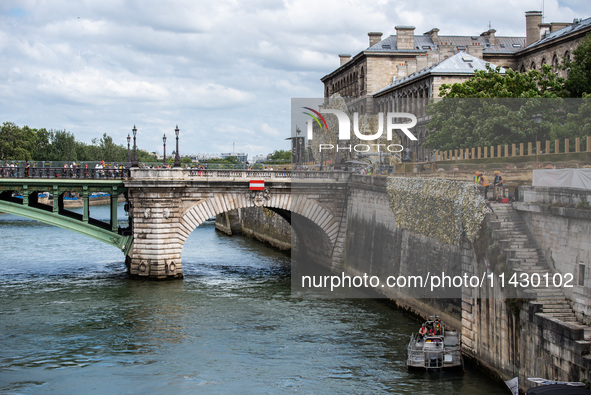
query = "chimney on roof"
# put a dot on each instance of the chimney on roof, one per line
(434, 33)
(374, 38)
(490, 34)
(344, 58)
(533, 19)
(405, 37)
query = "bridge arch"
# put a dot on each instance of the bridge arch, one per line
(227, 201)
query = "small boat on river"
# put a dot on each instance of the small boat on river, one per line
(435, 347)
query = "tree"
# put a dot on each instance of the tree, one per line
(16, 143)
(579, 76)
(64, 146)
(26, 143)
(280, 155)
(492, 108)
(491, 83)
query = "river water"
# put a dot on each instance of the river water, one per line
(71, 322)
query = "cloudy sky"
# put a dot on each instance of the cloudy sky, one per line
(223, 70)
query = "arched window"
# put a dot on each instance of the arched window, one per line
(555, 63)
(533, 66)
(362, 80)
(522, 68)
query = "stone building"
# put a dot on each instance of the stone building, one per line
(405, 53)
(412, 93)
(405, 65)
(550, 43)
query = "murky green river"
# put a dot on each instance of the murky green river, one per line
(71, 322)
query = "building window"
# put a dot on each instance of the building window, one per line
(362, 80)
(581, 278)
(533, 66)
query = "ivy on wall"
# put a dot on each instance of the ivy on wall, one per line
(438, 208)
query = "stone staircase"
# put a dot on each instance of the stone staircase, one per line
(523, 256)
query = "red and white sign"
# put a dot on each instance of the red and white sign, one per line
(257, 185)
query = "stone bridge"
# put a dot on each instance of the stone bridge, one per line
(167, 205)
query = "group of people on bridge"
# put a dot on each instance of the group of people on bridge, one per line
(68, 170)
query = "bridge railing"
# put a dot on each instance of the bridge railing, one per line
(67, 173)
(258, 174)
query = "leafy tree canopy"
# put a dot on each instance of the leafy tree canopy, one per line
(492, 108)
(491, 83)
(280, 155)
(25, 143)
(578, 83)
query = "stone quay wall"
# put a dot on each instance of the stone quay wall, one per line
(372, 236)
(259, 223)
(507, 335)
(560, 221)
(502, 332)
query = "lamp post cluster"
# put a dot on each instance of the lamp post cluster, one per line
(134, 161)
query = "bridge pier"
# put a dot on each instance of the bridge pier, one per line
(155, 212)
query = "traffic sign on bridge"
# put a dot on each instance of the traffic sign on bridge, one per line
(257, 185)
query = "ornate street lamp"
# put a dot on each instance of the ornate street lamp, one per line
(177, 158)
(128, 142)
(134, 162)
(164, 141)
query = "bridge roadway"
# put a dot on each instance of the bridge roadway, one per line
(166, 205)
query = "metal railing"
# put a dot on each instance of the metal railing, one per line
(66, 172)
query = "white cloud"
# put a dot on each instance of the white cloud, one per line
(223, 70)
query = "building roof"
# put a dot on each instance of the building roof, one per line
(577, 26)
(461, 63)
(424, 43)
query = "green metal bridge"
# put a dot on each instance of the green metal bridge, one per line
(20, 195)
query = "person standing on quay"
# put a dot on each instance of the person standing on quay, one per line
(498, 184)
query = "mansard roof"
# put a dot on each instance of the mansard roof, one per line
(461, 63)
(424, 43)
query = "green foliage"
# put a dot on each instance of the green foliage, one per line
(576, 123)
(578, 83)
(25, 143)
(184, 160)
(491, 83)
(462, 119)
(218, 160)
(280, 155)
(466, 123)
(233, 160)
